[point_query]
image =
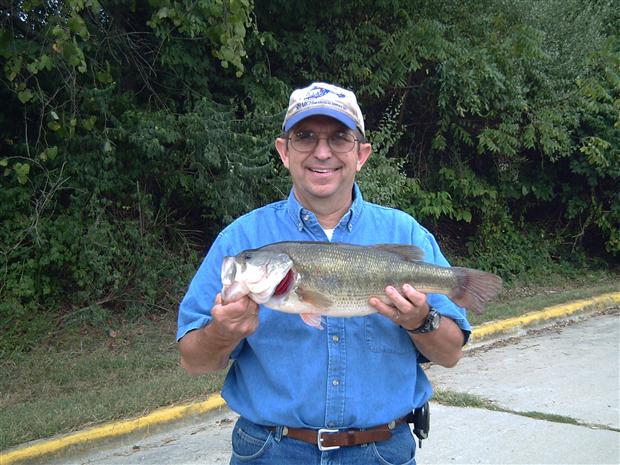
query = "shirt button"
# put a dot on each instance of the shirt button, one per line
(306, 217)
(335, 339)
(336, 382)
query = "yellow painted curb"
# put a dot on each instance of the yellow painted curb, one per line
(215, 401)
(557, 311)
(111, 430)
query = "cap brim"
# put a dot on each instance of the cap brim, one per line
(344, 119)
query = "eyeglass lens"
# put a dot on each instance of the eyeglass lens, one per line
(306, 141)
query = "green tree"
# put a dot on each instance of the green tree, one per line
(131, 132)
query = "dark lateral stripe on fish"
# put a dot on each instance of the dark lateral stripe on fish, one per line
(409, 253)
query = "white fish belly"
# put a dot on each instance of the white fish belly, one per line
(343, 309)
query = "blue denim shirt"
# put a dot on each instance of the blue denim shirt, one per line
(356, 373)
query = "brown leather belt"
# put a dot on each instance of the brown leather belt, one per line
(329, 439)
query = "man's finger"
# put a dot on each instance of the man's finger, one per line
(414, 296)
(401, 302)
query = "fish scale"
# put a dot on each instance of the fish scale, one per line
(336, 279)
(349, 275)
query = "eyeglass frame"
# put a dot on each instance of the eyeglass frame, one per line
(357, 137)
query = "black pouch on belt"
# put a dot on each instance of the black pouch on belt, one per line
(421, 420)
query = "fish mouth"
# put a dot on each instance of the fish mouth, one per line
(259, 282)
(228, 270)
(232, 292)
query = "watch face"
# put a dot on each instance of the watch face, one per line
(431, 323)
(434, 321)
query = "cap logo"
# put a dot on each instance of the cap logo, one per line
(314, 95)
(318, 92)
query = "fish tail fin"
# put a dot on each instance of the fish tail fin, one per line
(474, 288)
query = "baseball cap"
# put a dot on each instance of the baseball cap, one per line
(320, 98)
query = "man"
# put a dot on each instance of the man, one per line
(338, 395)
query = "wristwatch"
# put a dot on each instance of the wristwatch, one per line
(430, 324)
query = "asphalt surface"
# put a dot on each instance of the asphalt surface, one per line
(550, 396)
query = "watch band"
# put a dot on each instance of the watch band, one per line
(431, 323)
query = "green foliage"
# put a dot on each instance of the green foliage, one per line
(107, 193)
(119, 233)
(382, 180)
(501, 247)
(499, 109)
(599, 139)
(131, 132)
(222, 23)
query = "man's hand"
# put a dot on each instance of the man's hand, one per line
(408, 310)
(235, 320)
(208, 349)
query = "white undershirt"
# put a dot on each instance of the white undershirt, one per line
(329, 233)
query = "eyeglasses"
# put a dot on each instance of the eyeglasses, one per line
(338, 142)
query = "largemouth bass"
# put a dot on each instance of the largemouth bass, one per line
(335, 279)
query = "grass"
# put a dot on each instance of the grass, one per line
(521, 297)
(89, 374)
(460, 399)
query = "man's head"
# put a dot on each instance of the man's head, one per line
(323, 144)
(324, 99)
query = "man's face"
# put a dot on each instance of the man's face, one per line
(322, 173)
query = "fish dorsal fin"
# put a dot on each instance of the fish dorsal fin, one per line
(316, 299)
(410, 253)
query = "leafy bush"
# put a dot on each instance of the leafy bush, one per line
(130, 133)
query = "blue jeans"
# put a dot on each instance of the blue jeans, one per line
(257, 445)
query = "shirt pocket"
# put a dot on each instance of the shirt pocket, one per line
(384, 336)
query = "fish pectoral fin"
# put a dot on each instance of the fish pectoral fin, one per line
(312, 319)
(409, 253)
(314, 298)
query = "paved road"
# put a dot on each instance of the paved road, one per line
(569, 370)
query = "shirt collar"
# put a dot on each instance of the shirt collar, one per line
(296, 210)
(356, 207)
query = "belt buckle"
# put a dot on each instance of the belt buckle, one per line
(319, 439)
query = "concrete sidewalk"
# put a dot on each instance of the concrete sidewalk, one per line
(537, 383)
(557, 395)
